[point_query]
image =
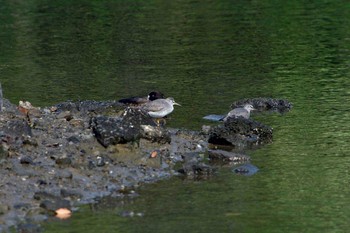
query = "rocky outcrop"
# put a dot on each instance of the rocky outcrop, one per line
(75, 152)
(240, 132)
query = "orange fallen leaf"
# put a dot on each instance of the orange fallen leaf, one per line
(63, 213)
(154, 154)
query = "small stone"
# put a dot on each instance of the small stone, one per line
(53, 205)
(64, 174)
(66, 115)
(71, 193)
(26, 160)
(100, 161)
(73, 139)
(63, 161)
(77, 122)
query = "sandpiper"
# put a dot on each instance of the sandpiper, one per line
(240, 112)
(159, 108)
(142, 100)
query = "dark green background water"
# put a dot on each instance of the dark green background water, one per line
(206, 54)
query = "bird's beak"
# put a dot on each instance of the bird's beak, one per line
(177, 104)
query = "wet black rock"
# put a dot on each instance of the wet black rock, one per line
(26, 160)
(240, 132)
(265, 104)
(109, 131)
(131, 126)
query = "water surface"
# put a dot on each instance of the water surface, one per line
(206, 55)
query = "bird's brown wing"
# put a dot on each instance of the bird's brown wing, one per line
(134, 100)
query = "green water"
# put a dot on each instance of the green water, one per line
(206, 54)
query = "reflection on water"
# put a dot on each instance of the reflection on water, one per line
(206, 55)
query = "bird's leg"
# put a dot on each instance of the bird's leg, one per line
(160, 121)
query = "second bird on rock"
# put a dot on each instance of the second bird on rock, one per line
(159, 108)
(240, 112)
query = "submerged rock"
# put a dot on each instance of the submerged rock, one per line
(246, 170)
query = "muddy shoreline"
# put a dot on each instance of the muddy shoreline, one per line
(72, 153)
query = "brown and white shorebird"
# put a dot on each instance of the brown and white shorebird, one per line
(240, 112)
(159, 108)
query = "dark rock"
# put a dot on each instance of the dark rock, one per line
(110, 131)
(64, 161)
(71, 193)
(53, 205)
(51, 202)
(227, 156)
(240, 132)
(26, 160)
(41, 182)
(265, 104)
(73, 139)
